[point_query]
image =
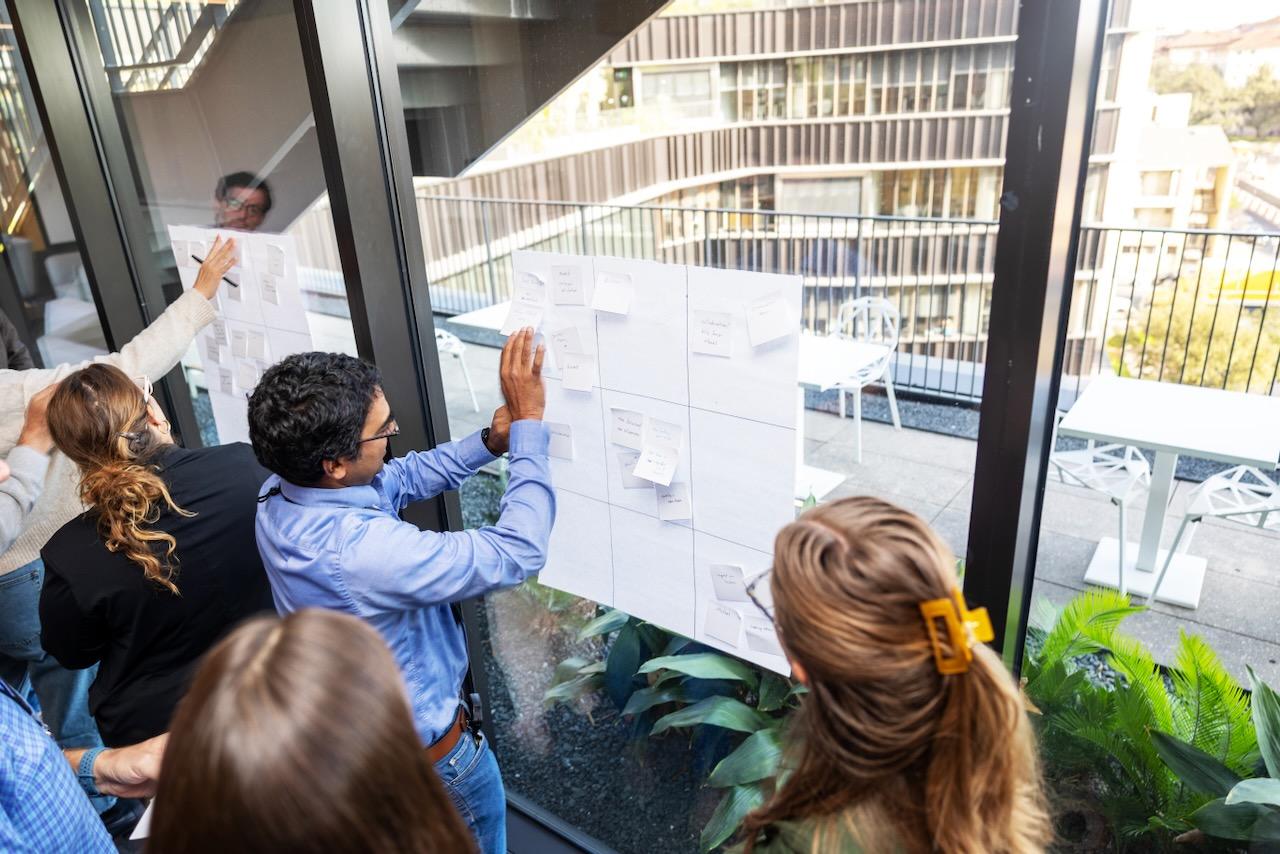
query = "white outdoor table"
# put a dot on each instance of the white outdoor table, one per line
(824, 362)
(1170, 419)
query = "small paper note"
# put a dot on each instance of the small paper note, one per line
(657, 464)
(529, 290)
(196, 248)
(520, 316)
(566, 285)
(768, 320)
(219, 327)
(628, 429)
(565, 341)
(561, 445)
(658, 432)
(258, 346)
(673, 502)
(727, 581)
(579, 372)
(613, 293)
(626, 462)
(239, 343)
(761, 636)
(233, 293)
(724, 624)
(270, 288)
(246, 376)
(212, 351)
(182, 254)
(275, 260)
(225, 381)
(712, 333)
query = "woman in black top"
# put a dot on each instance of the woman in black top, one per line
(163, 563)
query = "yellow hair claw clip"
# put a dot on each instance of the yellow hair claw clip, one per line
(965, 629)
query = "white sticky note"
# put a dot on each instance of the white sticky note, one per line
(579, 372)
(768, 320)
(246, 376)
(761, 636)
(275, 260)
(566, 285)
(212, 351)
(657, 464)
(270, 288)
(521, 315)
(142, 829)
(613, 293)
(565, 341)
(723, 623)
(628, 429)
(561, 445)
(182, 254)
(219, 327)
(225, 381)
(258, 346)
(659, 432)
(712, 333)
(239, 343)
(529, 290)
(626, 462)
(673, 502)
(196, 248)
(728, 583)
(233, 293)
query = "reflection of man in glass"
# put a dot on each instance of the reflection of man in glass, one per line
(241, 200)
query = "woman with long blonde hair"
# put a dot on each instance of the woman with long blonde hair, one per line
(913, 736)
(161, 565)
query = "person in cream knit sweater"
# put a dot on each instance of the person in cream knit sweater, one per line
(23, 663)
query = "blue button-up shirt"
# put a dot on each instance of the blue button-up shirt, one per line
(42, 807)
(348, 550)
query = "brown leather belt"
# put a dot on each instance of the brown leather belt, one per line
(441, 747)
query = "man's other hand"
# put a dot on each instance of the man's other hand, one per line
(521, 373)
(35, 429)
(130, 772)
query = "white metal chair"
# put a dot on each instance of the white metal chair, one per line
(1242, 494)
(870, 320)
(1119, 472)
(451, 345)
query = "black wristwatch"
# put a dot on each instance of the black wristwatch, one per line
(484, 439)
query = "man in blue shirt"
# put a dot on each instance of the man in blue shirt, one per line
(331, 536)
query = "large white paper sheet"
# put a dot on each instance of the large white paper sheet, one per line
(711, 556)
(653, 570)
(580, 557)
(585, 473)
(558, 313)
(645, 352)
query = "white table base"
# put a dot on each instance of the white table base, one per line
(1181, 585)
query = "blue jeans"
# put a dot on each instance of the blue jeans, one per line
(471, 777)
(62, 695)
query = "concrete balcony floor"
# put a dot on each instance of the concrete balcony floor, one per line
(931, 474)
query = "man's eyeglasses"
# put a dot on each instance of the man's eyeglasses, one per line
(250, 208)
(385, 434)
(756, 593)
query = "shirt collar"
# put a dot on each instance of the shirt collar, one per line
(349, 496)
(8, 691)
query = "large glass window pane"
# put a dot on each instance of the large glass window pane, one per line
(214, 106)
(48, 299)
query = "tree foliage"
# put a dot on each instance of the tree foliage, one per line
(1249, 110)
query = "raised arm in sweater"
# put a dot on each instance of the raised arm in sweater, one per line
(19, 491)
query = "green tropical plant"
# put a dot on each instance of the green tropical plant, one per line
(1241, 809)
(1097, 735)
(666, 682)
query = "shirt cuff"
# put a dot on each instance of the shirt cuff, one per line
(473, 452)
(28, 462)
(529, 438)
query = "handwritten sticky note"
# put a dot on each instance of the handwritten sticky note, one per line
(225, 381)
(761, 636)
(521, 315)
(275, 260)
(627, 429)
(212, 351)
(561, 445)
(724, 624)
(530, 289)
(659, 432)
(768, 320)
(673, 502)
(257, 346)
(270, 288)
(657, 464)
(565, 341)
(712, 333)
(728, 583)
(181, 254)
(219, 327)
(579, 372)
(567, 286)
(233, 294)
(246, 376)
(239, 343)
(626, 462)
(613, 293)
(196, 248)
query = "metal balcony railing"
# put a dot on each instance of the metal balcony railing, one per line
(1188, 306)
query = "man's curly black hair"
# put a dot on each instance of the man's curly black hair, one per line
(308, 408)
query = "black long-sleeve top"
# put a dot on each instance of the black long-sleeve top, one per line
(97, 607)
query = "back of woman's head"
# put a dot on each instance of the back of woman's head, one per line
(296, 736)
(98, 417)
(907, 755)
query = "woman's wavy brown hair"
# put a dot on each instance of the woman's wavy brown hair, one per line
(98, 418)
(884, 748)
